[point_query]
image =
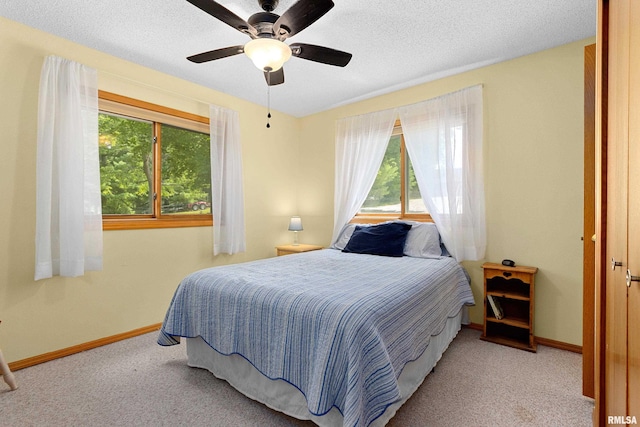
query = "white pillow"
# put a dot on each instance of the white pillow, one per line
(344, 236)
(423, 241)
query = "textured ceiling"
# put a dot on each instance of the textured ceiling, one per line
(395, 44)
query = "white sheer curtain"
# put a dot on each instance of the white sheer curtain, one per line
(226, 181)
(443, 137)
(361, 142)
(68, 204)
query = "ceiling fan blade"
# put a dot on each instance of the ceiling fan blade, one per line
(321, 54)
(301, 15)
(216, 54)
(225, 15)
(274, 78)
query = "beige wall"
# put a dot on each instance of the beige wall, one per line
(533, 173)
(533, 112)
(143, 267)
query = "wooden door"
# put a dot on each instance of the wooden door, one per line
(617, 306)
(588, 245)
(633, 301)
(615, 363)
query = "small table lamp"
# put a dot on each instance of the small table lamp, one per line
(295, 225)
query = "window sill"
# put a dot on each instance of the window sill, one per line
(378, 218)
(130, 223)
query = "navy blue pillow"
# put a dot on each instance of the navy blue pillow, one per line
(382, 239)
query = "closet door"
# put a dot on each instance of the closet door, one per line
(589, 226)
(633, 302)
(617, 210)
(622, 351)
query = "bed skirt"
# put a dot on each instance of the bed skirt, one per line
(283, 397)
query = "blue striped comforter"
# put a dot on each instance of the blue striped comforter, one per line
(338, 326)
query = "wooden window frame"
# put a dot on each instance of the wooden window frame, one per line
(376, 218)
(118, 104)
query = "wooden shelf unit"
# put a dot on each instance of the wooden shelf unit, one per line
(513, 287)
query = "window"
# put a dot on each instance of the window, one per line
(154, 165)
(395, 192)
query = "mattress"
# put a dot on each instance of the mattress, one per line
(338, 327)
(284, 397)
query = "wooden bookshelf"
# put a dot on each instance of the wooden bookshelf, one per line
(513, 288)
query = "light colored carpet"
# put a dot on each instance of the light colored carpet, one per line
(138, 383)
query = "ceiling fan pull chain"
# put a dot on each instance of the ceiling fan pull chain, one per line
(268, 98)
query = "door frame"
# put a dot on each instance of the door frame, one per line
(601, 89)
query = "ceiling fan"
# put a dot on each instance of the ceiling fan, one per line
(268, 32)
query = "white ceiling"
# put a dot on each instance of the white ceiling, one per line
(395, 44)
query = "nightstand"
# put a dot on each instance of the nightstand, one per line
(296, 249)
(512, 291)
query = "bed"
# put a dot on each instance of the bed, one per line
(333, 336)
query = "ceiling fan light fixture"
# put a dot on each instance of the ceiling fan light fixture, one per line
(267, 54)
